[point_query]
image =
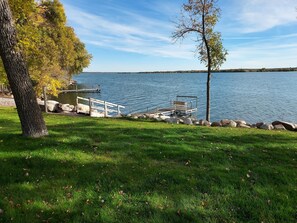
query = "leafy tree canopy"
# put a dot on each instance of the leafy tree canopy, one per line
(199, 18)
(52, 50)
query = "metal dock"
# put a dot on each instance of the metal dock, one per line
(182, 106)
(87, 90)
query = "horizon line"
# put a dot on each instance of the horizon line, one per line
(204, 71)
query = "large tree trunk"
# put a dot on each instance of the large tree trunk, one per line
(17, 73)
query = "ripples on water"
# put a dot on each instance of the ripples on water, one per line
(250, 96)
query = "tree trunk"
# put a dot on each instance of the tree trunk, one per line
(208, 94)
(208, 67)
(29, 112)
(208, 80)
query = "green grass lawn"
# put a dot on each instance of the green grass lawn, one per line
(107, 170)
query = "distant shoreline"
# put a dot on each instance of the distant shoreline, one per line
(237, 70)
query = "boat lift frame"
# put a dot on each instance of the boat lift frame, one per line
(182, 107)
(178, 107)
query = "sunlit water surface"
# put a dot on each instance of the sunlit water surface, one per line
(253, 97)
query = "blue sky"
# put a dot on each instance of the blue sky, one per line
(135, 35)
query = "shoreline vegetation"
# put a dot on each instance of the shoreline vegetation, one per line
(236, 70)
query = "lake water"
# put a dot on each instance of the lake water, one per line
(253, 97)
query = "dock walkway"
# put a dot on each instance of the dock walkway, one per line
(177, 108)
(87, 90)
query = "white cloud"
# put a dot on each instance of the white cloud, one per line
(264, 53)
(98, 24)
(142, 35)
(261, 15)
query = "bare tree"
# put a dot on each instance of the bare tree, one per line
(29, 112)
(199, 17)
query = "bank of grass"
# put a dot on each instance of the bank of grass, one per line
(106, 170)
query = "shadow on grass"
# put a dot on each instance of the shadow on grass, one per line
(121, 171)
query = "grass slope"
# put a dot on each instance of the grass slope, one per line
(105, 170)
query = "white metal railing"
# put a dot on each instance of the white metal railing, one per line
(98, 105)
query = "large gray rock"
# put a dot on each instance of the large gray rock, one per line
(164, 117)
(216, 124)
(225, 122)
(152, 116)
(232, 124)
(196, 122)
(228, 123)
(267, 126)
(259, 124)
(155, 116)
(172, 120)
(84, 109)
(241, 125)
(67, 107)
(52, 106)
(97, 114)
(158, 119)
(289, 126)
(279, 127)
(188, 121)
(240, 122)
(39, 101)
(204, 123)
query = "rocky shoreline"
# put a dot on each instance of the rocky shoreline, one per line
(276, 125)
(56, 107)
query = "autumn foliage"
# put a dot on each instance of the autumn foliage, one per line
(51, 49)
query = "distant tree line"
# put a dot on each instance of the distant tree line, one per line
(238, 70)
(52, 51)
(288, 69)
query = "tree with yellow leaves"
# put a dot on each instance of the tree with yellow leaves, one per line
(199, 18)
(51, 49)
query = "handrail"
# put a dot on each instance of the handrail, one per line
(108, 103)
(105, 105)
(84, 99)
(100, 101)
